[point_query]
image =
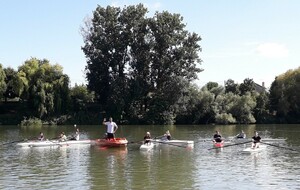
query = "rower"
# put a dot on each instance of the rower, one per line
(166, 136)
(147, 138)
(62, 137)
(41, 137)
(241, 135)
(217, 137)
(255, 140)
(76, 136)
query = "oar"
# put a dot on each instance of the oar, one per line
(279, 146)
(230, 145)
(14, 142)
(135, 142)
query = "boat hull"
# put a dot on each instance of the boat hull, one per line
(147, 146)
(249, 150)
(218, 144)
(178, 143)
(116, 142)
(53, 143)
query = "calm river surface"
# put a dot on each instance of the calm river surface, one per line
(165, 167)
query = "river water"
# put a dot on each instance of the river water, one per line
(164, 167)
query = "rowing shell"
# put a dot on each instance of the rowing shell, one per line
(147, 146)
(218, 144)
(53, 143)
(249, 150)
(174, 142)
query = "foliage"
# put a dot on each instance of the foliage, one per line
(285, 97)
(80, 96)
(45, 87)
(2, 81)
(136, 65)
(231, 86)
(225, 118)
(246, 86)
(242, 109)
(31, 122)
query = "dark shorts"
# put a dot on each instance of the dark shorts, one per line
(110, 136)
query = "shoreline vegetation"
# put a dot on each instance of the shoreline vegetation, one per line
(141, 70)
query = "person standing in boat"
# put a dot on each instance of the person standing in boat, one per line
(241, 135)
(112, 127)
(255, 140)
(217, 138)
(147, 138)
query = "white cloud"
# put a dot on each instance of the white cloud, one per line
(272, 50)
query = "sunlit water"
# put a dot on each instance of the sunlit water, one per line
(163, 167)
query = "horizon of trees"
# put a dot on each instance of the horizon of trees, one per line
(48, 96)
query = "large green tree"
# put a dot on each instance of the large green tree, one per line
(285, 97)
(138, 66)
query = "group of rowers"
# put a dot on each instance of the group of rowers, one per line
(62, 137)
(217, 138)
(166, 136)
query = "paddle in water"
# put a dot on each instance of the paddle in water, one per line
(14, 142)
(280, 146)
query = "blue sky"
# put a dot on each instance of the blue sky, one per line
(240, 38)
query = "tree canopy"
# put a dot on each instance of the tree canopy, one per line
(138, 66)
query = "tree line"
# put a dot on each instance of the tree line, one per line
(141, 70)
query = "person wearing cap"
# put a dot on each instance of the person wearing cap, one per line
(255, 140)
(147, 138)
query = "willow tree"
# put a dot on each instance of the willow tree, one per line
(47, 88)
(137, 66)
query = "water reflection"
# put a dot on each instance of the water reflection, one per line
(47, 167)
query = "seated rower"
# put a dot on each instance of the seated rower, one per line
(62, 137)
(255, 140)
(241, 135)
(167, 136)
(76, 136)
(41, 137)
(147, 138)
(217, 138)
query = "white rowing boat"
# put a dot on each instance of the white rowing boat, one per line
(249, 150)
(52, 143)
(174, 142)
(147, 146)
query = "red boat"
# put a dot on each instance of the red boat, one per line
(115, 142)
(219, 144)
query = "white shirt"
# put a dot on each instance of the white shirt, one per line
(111, 126)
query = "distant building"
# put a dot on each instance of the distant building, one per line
(260, 88)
